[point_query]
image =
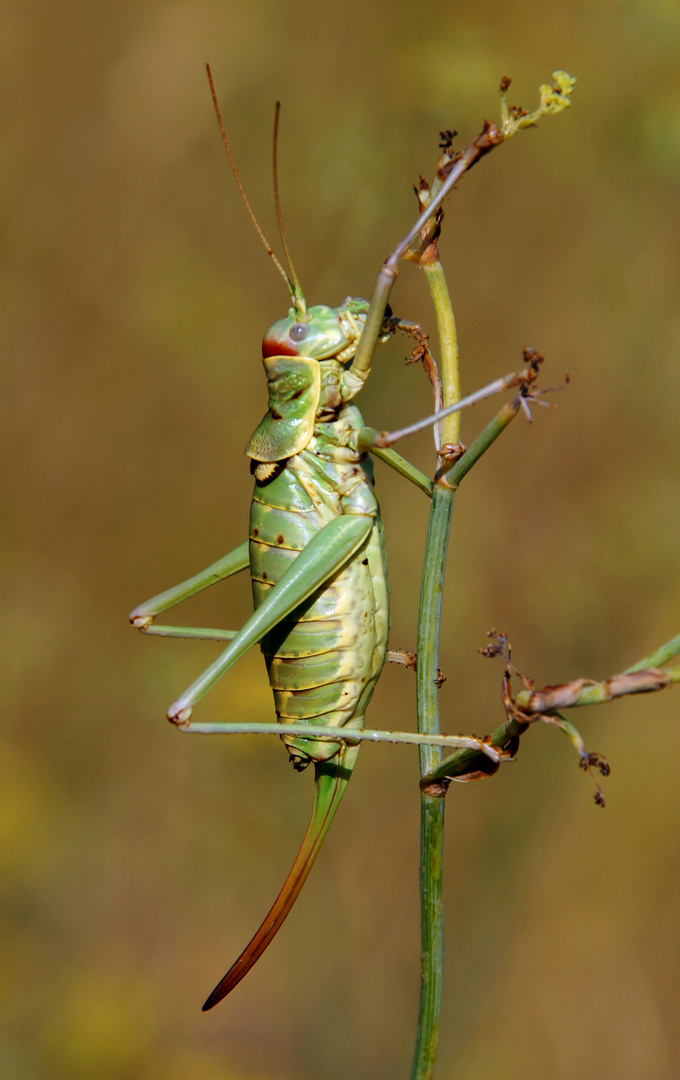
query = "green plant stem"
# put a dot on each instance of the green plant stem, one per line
(659, 656)
(602, 692)
(483, 441)
(448, 345)
(432, 807)
(466, 760)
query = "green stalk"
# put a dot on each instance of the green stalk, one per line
(448, 345)
(432, 807)
(660, 656)
(466, 760)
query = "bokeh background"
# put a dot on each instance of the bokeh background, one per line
(136, 862)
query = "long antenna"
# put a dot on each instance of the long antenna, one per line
(263, 238)
(298, 295)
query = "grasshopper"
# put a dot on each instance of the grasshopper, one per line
(315, 550)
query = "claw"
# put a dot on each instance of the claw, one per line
(140, 622)
(182, 718)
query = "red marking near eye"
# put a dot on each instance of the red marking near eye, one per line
(273, 347)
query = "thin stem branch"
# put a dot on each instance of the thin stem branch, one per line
(449, 425)
(464, 762)
(659, 656)
(449, 171)
(640, 678)
(489, 136)
(451, 412)
(483, 441)
(586, 692)
(432, 807)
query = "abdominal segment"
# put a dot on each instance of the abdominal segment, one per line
(325, 658)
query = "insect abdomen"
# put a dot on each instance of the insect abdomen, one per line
(324, 660)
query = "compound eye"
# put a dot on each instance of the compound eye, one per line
(299, 331)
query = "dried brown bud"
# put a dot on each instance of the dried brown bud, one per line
(599, 762)
(451, 452)
(446, 139)
(499, 643)
(532, 356)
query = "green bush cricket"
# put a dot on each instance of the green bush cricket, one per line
(315, 549)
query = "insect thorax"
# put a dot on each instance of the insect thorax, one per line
(304, 394)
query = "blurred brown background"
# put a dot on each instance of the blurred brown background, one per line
(136, 862)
